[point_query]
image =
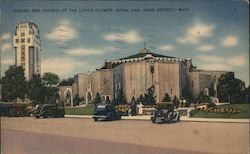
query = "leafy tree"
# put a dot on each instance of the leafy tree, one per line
(50, 81)
(121, 99)
(67, 82)
(230, 88)
(166, 98)
(35, 90)
(187, 95)
(97, 99)
(201, 98)
(149, 97)
(77, 99)
(13, 84)
(140, 99)
(107, 100)
(176, 102)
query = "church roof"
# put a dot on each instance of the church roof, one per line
(144, 52)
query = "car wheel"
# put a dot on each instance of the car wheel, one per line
(12, 112)
(109, 116)
(153, 120)
(95, 119)
(179, 116)
(45, 115)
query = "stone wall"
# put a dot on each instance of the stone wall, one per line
(138, 78)
(99, 81)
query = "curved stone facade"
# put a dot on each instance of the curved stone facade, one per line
(133, 75)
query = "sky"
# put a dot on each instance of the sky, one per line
(78, 36)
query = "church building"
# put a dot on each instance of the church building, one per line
(133, 75)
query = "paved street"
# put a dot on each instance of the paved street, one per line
(83, 136)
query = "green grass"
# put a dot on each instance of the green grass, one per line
(242, 115)
(79, 110)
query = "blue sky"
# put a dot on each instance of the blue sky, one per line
(214, 34)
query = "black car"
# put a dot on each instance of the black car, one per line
(105, 111)
(49, 110)
(165, 113)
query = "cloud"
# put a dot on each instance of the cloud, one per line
(205, 48)
(194, 33)
(5, 36)
(209, 58)
(84, 51)
(166, 47)
(9, 61)
(211, 62)
(5, 46)
(215, 66)
(128, 37)
(61, 66)
(63, 32)
(238, 60)
(112, 48)
(229, 41)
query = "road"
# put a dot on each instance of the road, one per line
(83, 136)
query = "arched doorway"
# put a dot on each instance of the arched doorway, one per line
(68, 97)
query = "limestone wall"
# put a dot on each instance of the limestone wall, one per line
(166, 78)
(99, 81)
(170, 80)
(82, 80)
(136, 79)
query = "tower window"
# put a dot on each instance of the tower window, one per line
(22, 34)
(17, 40)
(28, 40)
(22, 40)
(23, 53)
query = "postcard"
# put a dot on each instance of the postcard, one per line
(110, 76)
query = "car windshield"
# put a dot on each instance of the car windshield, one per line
(101, 107)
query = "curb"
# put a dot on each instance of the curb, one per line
(185, 119)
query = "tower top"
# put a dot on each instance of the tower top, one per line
(144, 50)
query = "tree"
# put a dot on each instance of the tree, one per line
(107, 100)
(149, 98)
(166, 98)
(187, 95)
(230, 89)
(13, 84)
(201, 98)
(77, 99)
(67, 82)
(50, 81)
(176, 102)
(97, 99)
(121, 99)
(140, 99)
(35, 89)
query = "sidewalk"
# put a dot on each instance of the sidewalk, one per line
(183, 118)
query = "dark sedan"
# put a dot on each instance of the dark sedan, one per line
(105, 111)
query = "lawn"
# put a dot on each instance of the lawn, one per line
(79, 110)
(242, 115)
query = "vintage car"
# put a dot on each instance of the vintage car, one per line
(165, 113)
(105, 111)
(49, 110)
(13, 109)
